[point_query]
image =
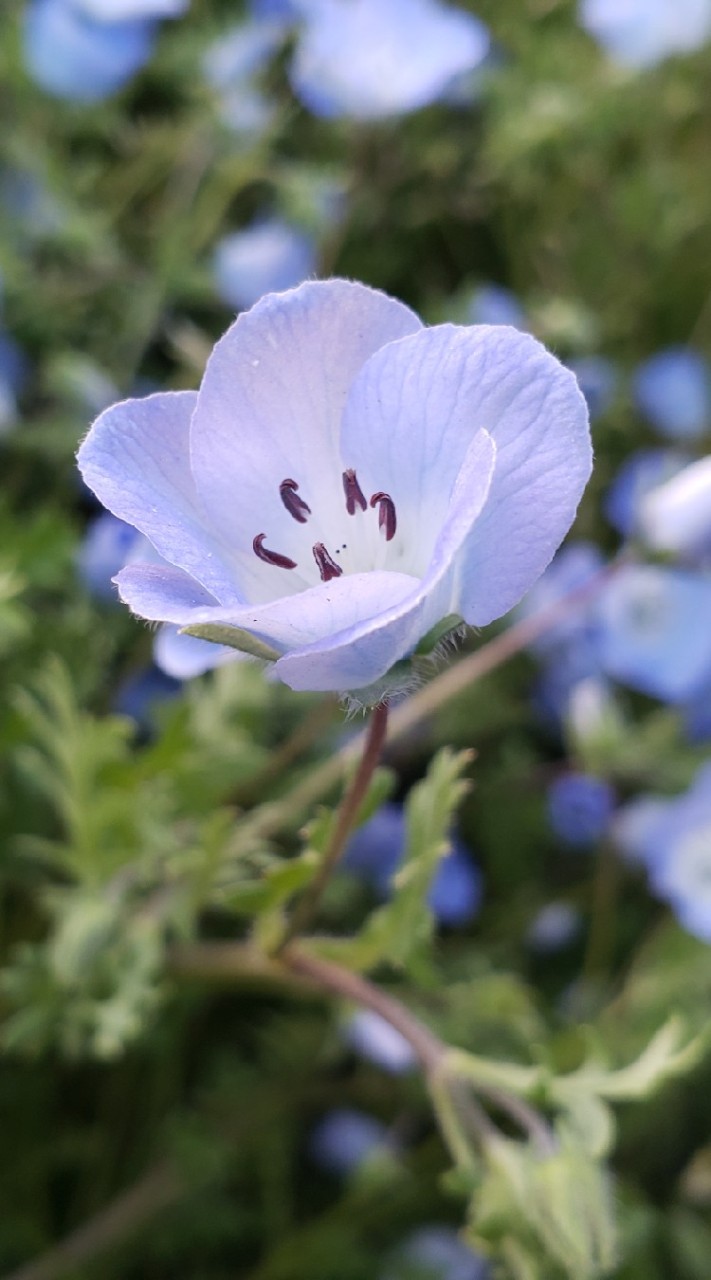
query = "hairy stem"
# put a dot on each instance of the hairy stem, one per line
(347, 813)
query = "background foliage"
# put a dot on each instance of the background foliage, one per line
(185, 1108)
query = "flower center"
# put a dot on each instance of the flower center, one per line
(299, 510)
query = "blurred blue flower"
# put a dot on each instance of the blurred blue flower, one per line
(436, 1252)
(654, 630)
(344, 1139)
(375, 852)
(642, 472)
(81, 58)
(232, 65)
(142, 694)
(313, 400)
(375, 1039)
(366, 60)
(641, 33)
(494, 304)
(580, 807)
(124, 10)
(696, 715)
(14, 371)
(676, 516)
(184, 657)
(108, 545)
(673, 390)
(267, 257)
(597, 379)
(553, 927)
(672, 838)
(572, 567)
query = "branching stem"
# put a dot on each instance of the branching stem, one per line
(348, 810)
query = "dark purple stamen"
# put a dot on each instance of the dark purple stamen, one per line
(293, 503)
(387, 519)
(354, 493)
(327, 567)
(271, 557)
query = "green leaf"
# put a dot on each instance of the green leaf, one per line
(400, 931)
(234, 638)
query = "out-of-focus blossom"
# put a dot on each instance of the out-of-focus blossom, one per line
(554, 927)
(436, 1252)
(575, 565)
(597, 379)
(375, 852)
(673, 390)
(108, 545)
(494, 304)
(82, 58)
(580, 807)
(642, 472)
(375, 1039)
(344, 481)
(677, 516)
(672, 838)
(123, 10)
(641, 33)
(365, 59)
(654, 630)
(343, 1140)
(267, 257)
(14, 371)
(142, 694)
(232, 66)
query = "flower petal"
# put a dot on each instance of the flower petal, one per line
(165, 594)
(185, 657)
(368, 649)
(409, 420)
(136, 460)
(270, 407)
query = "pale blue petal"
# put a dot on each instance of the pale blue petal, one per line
(368, 59)
(121, 10)
(654, 630)
(74, 56)
(411, 415)
(136, 460)
(161, 593)
(269, 256)
(184, 657)
(641, 33)
(270, 408)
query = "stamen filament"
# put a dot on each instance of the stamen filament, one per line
(387, 517)
(270, 557)
(293, 503)
(354, 493)
(327, 566)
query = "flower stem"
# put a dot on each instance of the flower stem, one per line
(348, 811)
(427, 1047)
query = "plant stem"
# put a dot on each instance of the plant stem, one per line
(347, 813)
(157, 1190)
(269, 818)
(430, 1051)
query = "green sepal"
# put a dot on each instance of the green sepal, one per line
(429, 642)
(234, 638)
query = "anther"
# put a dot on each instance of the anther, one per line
(327, 567)
(271, 557)
(387, 519)
(293, 503)
(354, 493)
